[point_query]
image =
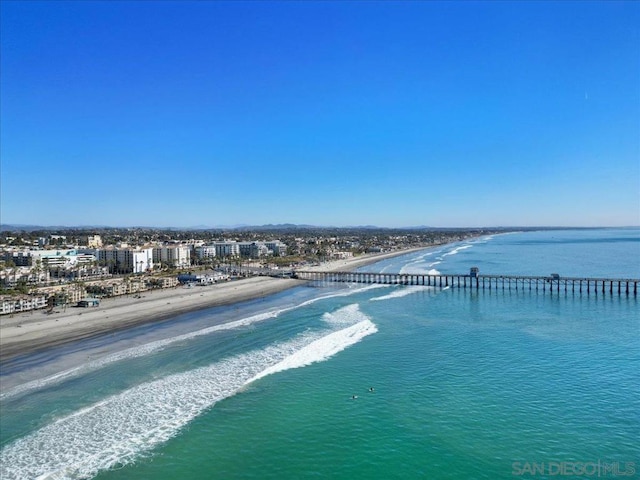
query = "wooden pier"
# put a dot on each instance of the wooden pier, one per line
(553, 283)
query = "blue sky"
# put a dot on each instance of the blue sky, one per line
(327, 113)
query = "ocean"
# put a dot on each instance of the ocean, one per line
(355, 381)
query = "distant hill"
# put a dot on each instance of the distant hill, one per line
(279, 226)
(4, 227)
(16, 227)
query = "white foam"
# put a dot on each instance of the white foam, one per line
(156, 346)
(456, 250)
(322, 348)
(355, 288)
(121, 428)
(403, 292)
(421, 270)
(482, 240)
(133, 352)
(415, 265)
(348, 315)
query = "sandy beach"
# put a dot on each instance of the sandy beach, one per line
(37, 330)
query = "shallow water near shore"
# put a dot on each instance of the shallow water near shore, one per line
(465, 383)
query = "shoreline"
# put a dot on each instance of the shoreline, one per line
(35, 331)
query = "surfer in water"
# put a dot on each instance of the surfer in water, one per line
(371, 389)
(353, 397)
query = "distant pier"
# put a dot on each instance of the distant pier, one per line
(553, 283)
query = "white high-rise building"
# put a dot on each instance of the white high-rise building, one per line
(126, 260)
(253, 249)
(277, 247)
(227, 249)
(178, 256)
(205, 251)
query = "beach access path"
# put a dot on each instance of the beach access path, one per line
(37, 330)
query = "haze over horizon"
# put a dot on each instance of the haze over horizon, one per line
(450, 114)
(285, 226)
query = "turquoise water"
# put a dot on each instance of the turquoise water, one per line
(466, 384)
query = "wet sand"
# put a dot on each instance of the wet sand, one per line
(37, 330)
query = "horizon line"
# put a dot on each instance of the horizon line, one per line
(4, 226)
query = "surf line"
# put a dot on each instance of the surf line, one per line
(136, 420)
(159, 345)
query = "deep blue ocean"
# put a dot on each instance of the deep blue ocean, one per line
(355, 381)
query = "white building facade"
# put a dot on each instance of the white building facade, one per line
(227, 249)
(253, 249)
(61, 258)
(9, 304)
(178, 256)
(126, 260)
(277, 247)
(205, 251)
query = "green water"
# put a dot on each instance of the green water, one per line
(466, 385)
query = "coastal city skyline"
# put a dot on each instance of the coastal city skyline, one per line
(444, 114)
(319, 239)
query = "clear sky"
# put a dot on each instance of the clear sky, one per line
(327, 113)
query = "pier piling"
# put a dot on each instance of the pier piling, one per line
(588, 286)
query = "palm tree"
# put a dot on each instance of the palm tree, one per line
(64, 298)
(14, 272)
(37, 269)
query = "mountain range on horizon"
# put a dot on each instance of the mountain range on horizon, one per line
(270, 226)
(277, 227)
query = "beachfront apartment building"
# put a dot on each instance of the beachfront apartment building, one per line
(205, 251)
(277, 247)
(340, 255)
(162, 282)
(253, 249)
(202, 279)
(11, 277)
(231, 249)
(248, 249)
(59, 295)
(128, 286)
(126, 259)
(114, 288)
(227, 249)
(177, 256)
(14, 304)
(68, 294)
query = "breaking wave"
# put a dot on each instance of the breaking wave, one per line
(121, 428)
(403, 292)
(456, 250)
(158, 345)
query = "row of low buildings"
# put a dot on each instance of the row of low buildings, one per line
(76, 294)
(11, 277)
(127, 286)
(22, 303)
